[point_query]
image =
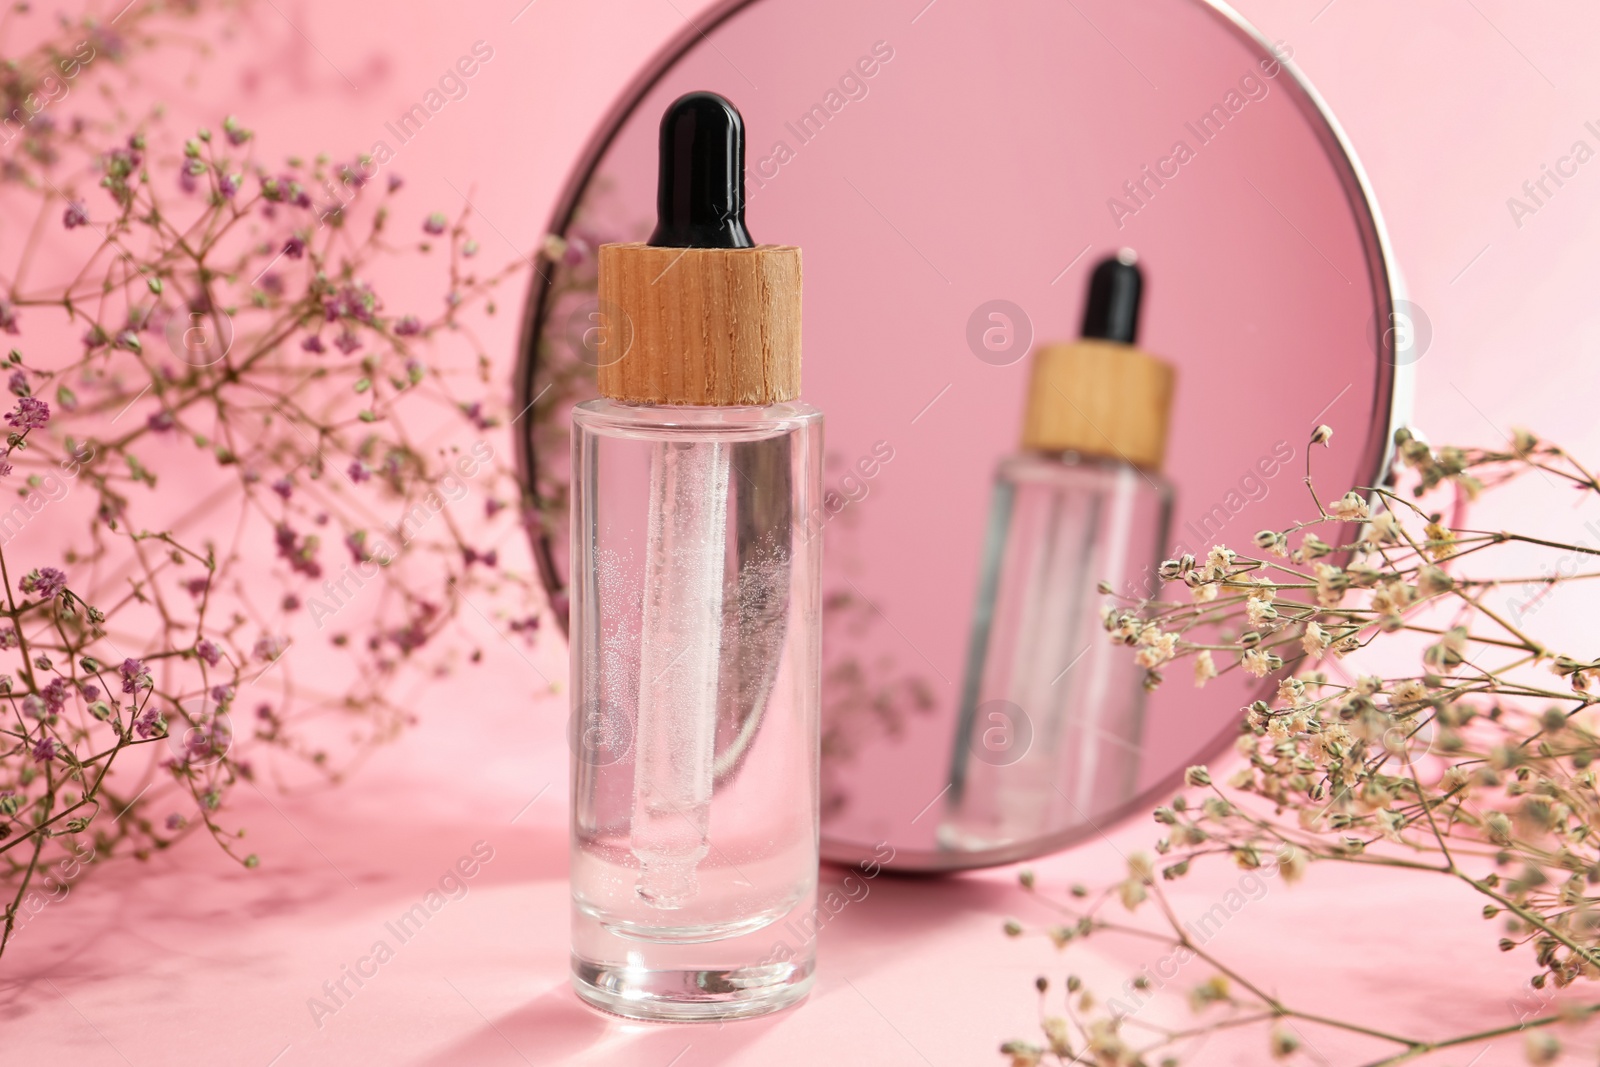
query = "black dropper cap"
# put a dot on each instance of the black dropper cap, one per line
(700, 190)
(1114, 291)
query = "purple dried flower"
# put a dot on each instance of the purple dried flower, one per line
(356, 301)
(91, 693)
(175, 822)
(34, 707)
(347, 342)
(148, 724)
(269, 647)
(228, 185)
(414, 635)
(19, 384)
(314, 344)
(134, 676)
(74, 216)
(8, 317)
(31, 414)
(407, 327)
(197, 586)
(209, 652)
(221, 694)
(285, 189)
(294, 248)
(44, 750)
(395, 182)
(48, 582)
(301, 553)
(470, 556)
(283, 487)
(160, 421)
(357, 544)
(435, 223)
(55, 694)
(359, 471)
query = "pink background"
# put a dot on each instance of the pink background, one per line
(1451, 107)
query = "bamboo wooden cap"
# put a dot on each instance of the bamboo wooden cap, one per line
(711, 326)
(1100, 398)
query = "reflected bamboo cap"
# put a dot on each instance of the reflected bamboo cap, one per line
(1100, 398)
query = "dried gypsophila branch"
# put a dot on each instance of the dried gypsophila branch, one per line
(291, 442)
(1446, 771)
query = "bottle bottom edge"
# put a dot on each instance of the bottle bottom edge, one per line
(692, 994)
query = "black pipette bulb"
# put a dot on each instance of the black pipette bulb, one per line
(1112, 313)
(700, 190)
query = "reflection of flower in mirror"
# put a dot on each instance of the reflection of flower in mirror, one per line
(864, 700)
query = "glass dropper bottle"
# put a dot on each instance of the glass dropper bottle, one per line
(695, 629)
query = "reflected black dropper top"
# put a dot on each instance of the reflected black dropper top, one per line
(1115, 288)
(700, 189)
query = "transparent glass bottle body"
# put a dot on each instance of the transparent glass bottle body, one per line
(1051, 712)
(695, 644)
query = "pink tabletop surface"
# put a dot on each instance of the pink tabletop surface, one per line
(198, 962)
(193, 960)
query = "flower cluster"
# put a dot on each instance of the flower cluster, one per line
(1469, 756)
(216, 406)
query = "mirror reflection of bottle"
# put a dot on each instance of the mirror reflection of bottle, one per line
(1051, 712)
(696, 612)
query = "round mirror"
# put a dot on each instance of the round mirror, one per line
(954, 170)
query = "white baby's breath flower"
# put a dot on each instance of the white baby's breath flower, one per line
(1331, 584)
(1290, 691)
(1205, 668)
(1383, 529)
(1259, 612)
(1391, 598)
(1432, 581)
(1408, 692)
(1315, 640)
(1349, 507)
(1390, 823)
(1203, 594)
(1260, 587)
(1160, 648)
(1260, 662)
